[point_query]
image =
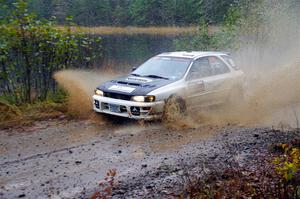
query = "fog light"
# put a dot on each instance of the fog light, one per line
(135, 110)
(97, 105)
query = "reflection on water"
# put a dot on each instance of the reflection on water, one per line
(131, 50)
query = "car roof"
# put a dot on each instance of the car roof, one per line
(191, 54)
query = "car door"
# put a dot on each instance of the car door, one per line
(221, 81)
(198, 92)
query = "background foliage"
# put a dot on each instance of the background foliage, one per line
(31, 50)
(245, 23)
(132, 12)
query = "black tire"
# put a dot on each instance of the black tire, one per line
(174, 109)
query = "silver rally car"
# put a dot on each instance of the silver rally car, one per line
(170, 83)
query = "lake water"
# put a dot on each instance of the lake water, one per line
(123, 51)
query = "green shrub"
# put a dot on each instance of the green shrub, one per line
(31, 50)
(225, 37)
(287, 166)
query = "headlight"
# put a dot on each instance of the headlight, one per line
(149, 98)
(99, 92)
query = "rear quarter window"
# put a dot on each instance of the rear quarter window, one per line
(230, 61)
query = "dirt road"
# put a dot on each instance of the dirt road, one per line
(67, 159)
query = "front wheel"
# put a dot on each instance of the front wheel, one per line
(174, 110)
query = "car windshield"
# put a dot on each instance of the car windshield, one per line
(163, 67)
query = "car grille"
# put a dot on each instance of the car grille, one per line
(117, 96)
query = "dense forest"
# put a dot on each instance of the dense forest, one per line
(131, 12)
(137, 12)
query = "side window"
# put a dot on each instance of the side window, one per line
(218, 66)
(200, 68)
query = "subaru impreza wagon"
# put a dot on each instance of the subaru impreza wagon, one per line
(169, 84)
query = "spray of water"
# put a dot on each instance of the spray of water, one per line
(80, 85)
(270, 58)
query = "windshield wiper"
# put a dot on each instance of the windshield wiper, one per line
(134, 74)
(155, 76)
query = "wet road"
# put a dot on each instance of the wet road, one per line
(66, 159)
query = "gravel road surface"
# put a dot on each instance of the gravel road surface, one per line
(67, 159)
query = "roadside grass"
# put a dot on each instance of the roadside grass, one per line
(151, 30)
(26, 114)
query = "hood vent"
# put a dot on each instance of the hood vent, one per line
(128, 83)
(139, 79)
(135, 84)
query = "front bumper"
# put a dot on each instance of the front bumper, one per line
(129, 109)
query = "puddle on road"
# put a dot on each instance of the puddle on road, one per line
(158, 138)
(82, 134)
(136, 128)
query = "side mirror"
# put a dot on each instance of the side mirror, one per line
(133, 69)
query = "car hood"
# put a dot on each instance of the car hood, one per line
(133, 85)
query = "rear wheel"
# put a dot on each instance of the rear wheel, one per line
(175, 109)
